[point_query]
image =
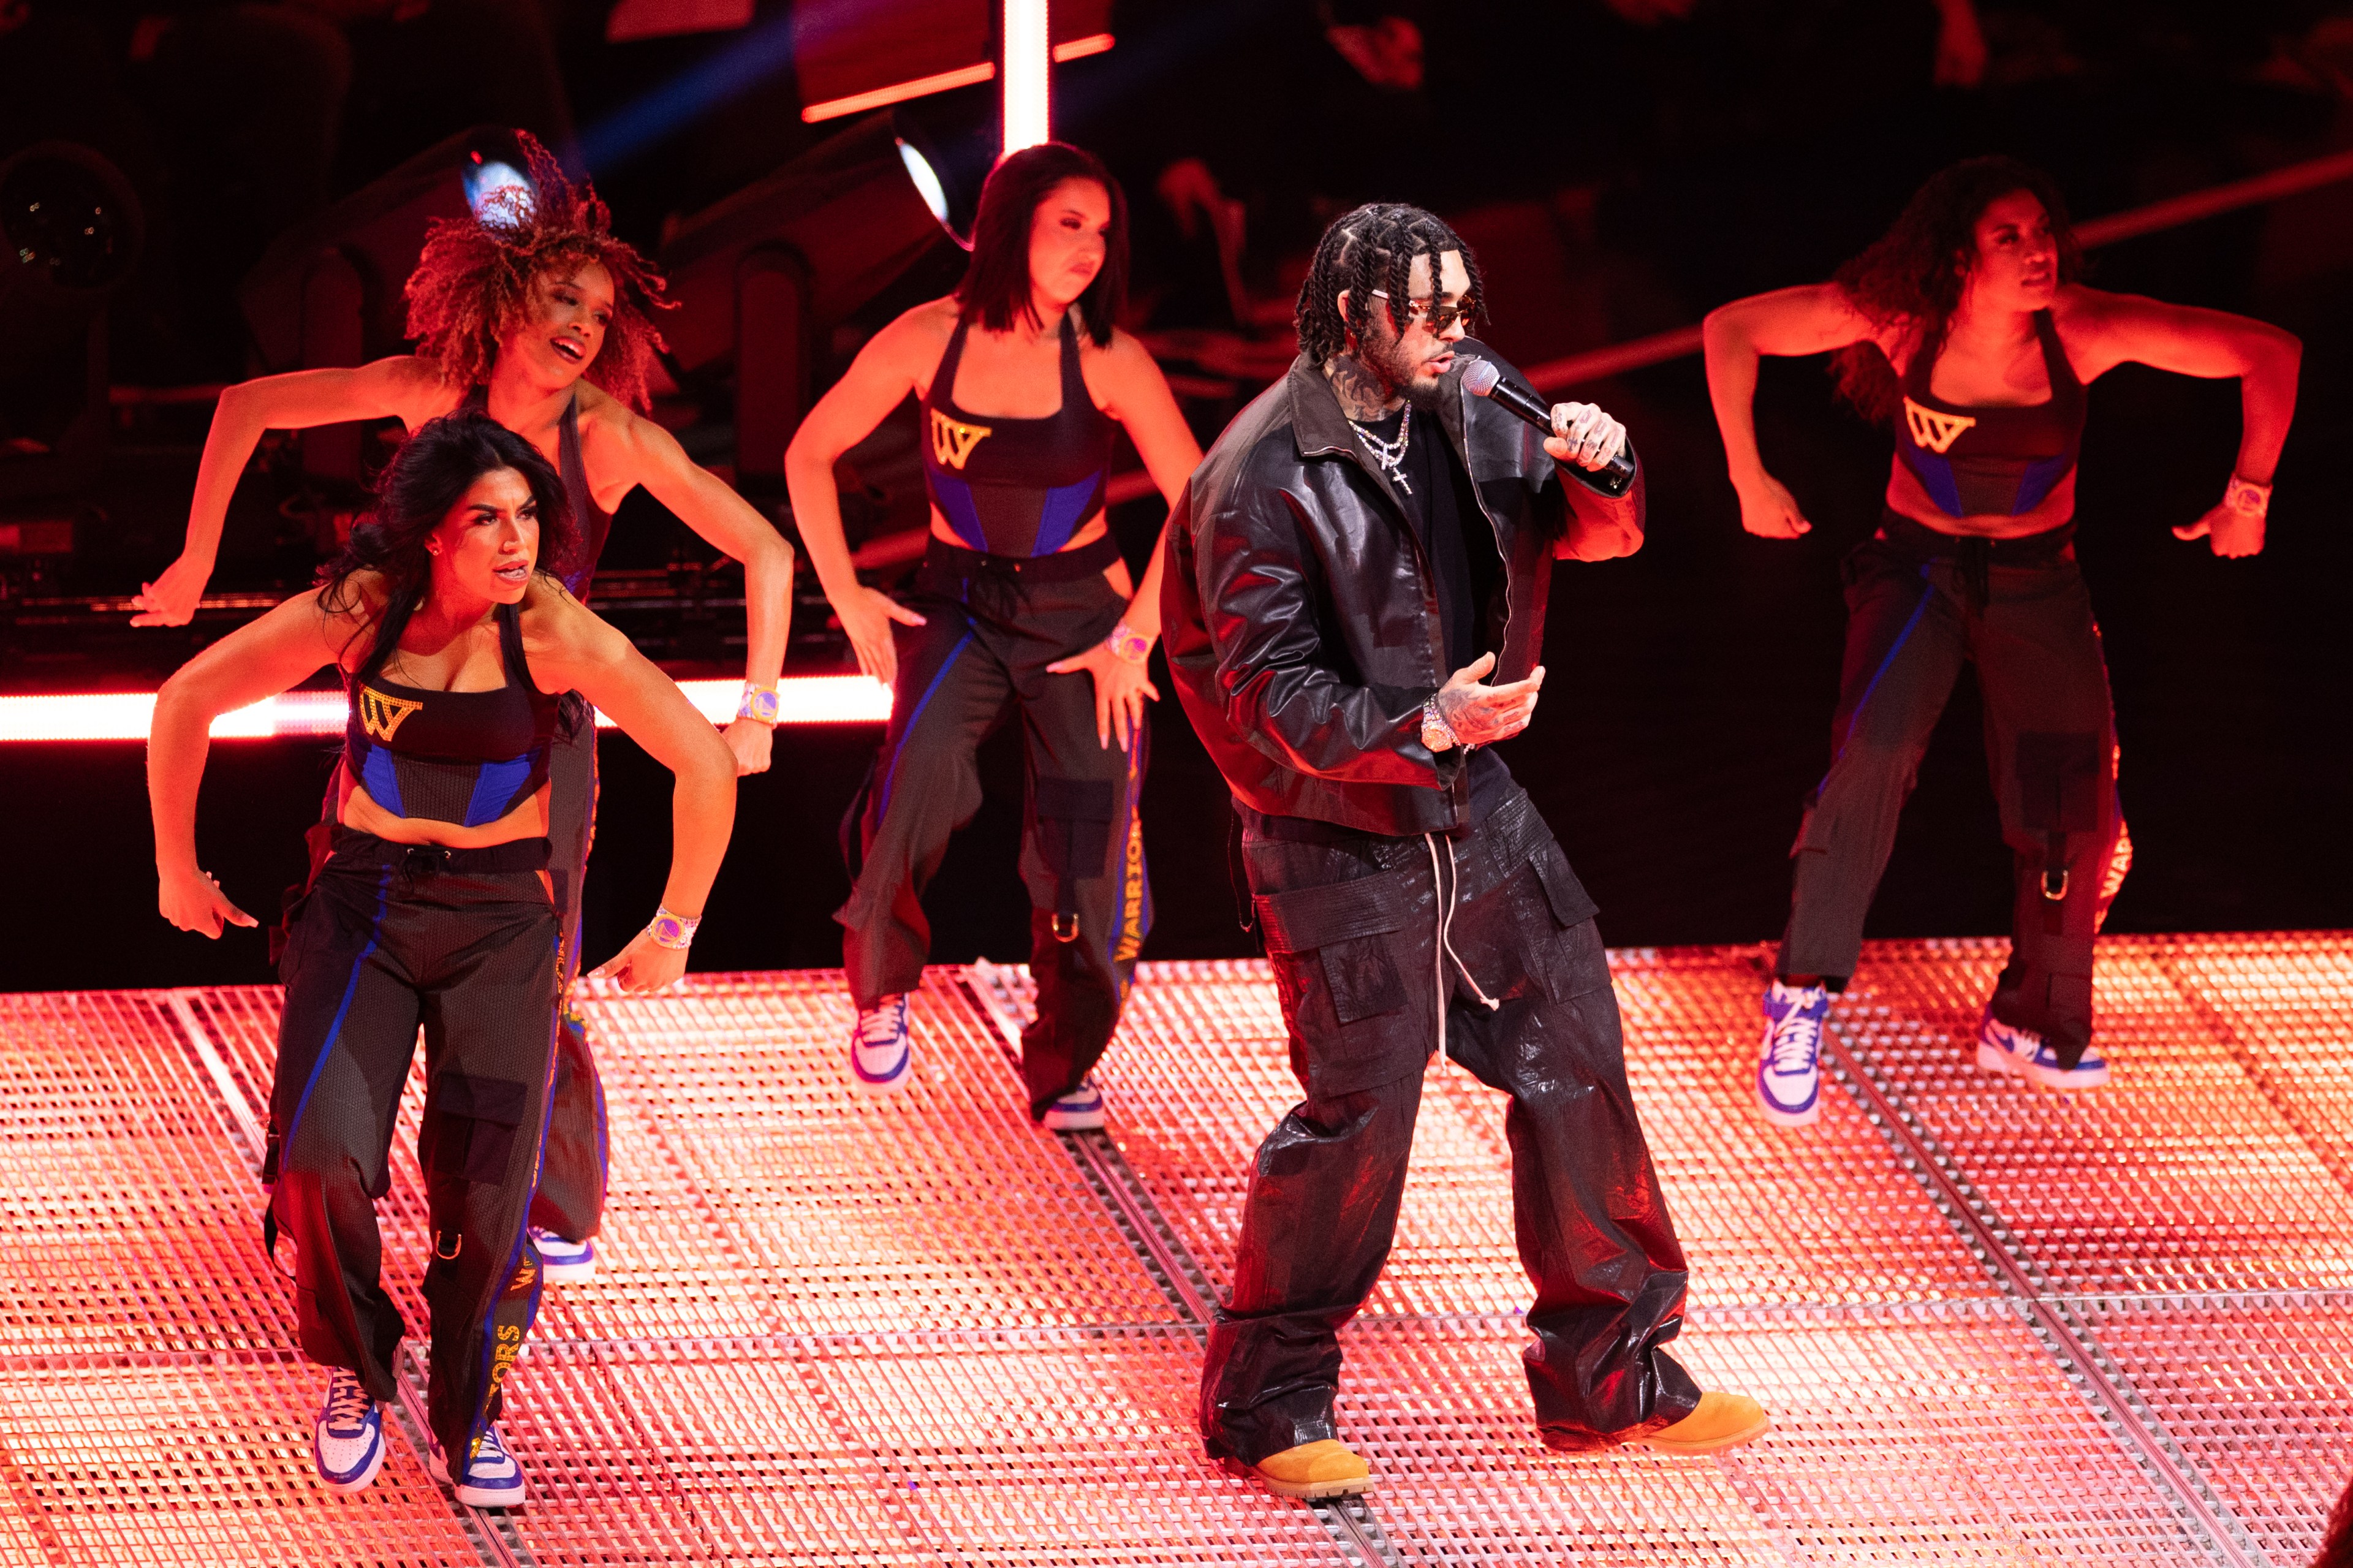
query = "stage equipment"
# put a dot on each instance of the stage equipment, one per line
(1026, 69)
(329, 290)
(1482, 379)
(73, 232)
(761, 275)
(124, 715)
(887, 54)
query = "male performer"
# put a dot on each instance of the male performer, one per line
(1362, 530)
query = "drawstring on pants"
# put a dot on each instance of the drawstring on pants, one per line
(1446, 891)
(1973, 565)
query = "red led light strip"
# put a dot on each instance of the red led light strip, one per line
(922, 85)
(123, 715)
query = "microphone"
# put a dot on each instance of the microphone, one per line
(1482, 379)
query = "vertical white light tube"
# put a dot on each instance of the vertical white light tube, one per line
(1028, 73)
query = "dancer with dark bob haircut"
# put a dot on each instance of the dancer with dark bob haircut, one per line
(1967, 331)
(533, 312)
(432, 901)
(1021, 606)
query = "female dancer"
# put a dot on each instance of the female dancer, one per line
(1965, 328)
(435, 905)
(1021, 374)
(535, 313)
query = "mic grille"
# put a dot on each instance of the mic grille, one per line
(1480, 376)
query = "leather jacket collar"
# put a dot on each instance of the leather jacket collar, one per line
(1301, 620)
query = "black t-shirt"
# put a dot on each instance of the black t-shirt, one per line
(1460, 546)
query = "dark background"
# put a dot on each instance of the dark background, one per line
(1685, 716)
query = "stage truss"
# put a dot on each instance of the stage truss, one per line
(1994, 1325)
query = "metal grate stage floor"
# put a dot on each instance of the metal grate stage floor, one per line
(1994, 1325)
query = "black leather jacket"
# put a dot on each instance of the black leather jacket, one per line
(1301, 622)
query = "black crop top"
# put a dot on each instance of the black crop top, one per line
(467, 757)
(1016, 487)
(2002, 460)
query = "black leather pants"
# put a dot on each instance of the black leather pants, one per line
(1351, 922)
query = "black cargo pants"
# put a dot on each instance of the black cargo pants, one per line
(1918, 604)
(1352, 926)
(992, 625)
(465, 942)
(571, 1197)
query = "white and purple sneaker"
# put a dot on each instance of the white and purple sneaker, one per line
(880, 1051)
(1789, 1067)
(563, 1261)
(1080, 1111)
(2005, 1047)
(347, 1443)
(492, 1478)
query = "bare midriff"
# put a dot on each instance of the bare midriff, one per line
(1907, 497)
(359, 811)
(1094, 528)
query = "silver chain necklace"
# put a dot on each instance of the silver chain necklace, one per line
(1389, 455)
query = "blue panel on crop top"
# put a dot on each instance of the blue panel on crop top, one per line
(1016, 487)
(1993, 461)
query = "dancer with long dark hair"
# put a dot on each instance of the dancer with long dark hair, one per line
(1966, 330)
(1025, 380)
(535, 313)
(434, 905)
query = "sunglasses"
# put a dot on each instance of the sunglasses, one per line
(1439, 313)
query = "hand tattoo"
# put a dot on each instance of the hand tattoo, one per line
(1480, 715)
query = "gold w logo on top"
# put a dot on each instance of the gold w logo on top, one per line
(381, 715)
(952, 441)
(1933, 430)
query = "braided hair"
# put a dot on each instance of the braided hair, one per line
(1369, 248)
(476, 275)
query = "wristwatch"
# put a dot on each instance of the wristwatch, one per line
(764, 703)
(1129, 644)
(2247, 497)
(1436, 733)
(672, 931)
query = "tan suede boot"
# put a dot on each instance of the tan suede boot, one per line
(1721, 1421)
(1315, 1470)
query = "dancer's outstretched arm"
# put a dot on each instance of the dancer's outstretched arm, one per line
(1812, 319)
(252, 664)
(643, 452)
(403, 387)
(570, 649)
(2105, 329)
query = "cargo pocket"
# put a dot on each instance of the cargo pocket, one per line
(1344, 925)
(1575, 963)
(1073, 841)
(1571, 905)
(2059, 780)
(472, 1123)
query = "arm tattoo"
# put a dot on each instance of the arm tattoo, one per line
(1364, 396)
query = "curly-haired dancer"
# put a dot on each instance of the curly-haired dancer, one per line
(1025, 381)
(1965, 330)
(535, 313)
(435, 905)
(1362, 548)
